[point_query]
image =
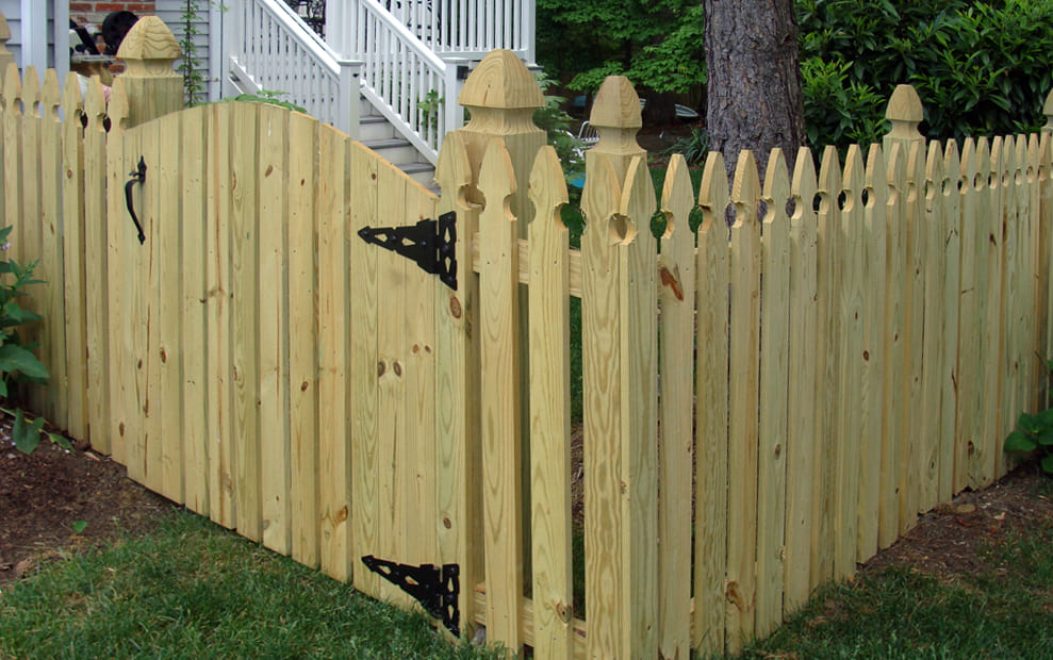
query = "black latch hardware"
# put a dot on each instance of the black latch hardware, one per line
(435, 588)
(430, 243)
(138, 176)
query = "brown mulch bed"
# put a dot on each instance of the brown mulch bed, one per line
(950, 541)
(44, 494)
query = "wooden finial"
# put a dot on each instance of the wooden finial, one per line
(153, 87)
(501, 81)
(6, 57)
(149, 49)
(617, 119)
(906, 113)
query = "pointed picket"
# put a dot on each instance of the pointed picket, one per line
(711, 412)
(800, 444)
(950, 243)
(926, 464)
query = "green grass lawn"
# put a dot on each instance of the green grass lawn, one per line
(1003, 610)
(193, 590)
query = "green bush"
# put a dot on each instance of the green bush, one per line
(981, 68)
(17, 362)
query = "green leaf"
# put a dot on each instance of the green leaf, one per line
(1029, 424)
(16, 358)
(1045, 438)
(1017, 442)
(61, 441)
(25, 438)
(1047, 464)
(79, 526)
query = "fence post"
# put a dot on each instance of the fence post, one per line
(905, 112)
(502, 95)
(6, 57)
(152, 85)
(619, 317)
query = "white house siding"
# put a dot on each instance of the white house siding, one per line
(13, 12)
(171, 12)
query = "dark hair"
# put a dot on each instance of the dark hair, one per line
(114, 28)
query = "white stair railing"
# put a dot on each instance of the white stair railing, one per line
(406, 81)
(470, 28)
(272, 50)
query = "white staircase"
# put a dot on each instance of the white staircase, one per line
(389, 72)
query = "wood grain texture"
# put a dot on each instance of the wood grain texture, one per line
(711, 411)
(218, 285)
(457, 385)
(272, 171)
(745, 312)
(550, 398)
(852, 363)
(76, 421)
(245, 213)
(334, 269)
(926, 462)
(501, 437)
(801, 440)
(893, 393)
(52, 253)
(365, 369)
(302, 333)
(677, 282)
(194, 159)
(774, 395)
(967, 361)
(827, 370)
(872, 427)
(950, 240)
(639, 385)
(913, 326)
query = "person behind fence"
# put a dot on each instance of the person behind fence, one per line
(115, 28)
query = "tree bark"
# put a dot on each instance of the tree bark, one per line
(754, 89)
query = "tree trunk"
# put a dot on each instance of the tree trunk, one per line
(754, 89)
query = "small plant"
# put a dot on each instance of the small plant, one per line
(269, 96)
(1034, 433)
(693, 147)
(429, 109)
(17, 362)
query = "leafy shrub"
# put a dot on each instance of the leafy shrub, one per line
(979, 67)
(693, 146)
(556, 123)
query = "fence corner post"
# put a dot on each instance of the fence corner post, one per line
(502, 96)
(6, 57)
(905, 112)
(152, 86)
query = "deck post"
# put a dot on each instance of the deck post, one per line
(153, 87)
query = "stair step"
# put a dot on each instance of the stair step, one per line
(422, 173)
(375, 127)
(394, 150)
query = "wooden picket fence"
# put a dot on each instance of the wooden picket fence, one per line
(765, 405)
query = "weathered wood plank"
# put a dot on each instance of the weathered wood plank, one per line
(950, 240)
(76, 422)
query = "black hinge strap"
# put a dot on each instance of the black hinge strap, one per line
(435, 588)
(431, 244)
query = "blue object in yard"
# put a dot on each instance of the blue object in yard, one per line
(577, 181)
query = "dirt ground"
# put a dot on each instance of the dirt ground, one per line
(43, 496)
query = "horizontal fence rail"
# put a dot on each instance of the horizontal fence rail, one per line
(766, 403)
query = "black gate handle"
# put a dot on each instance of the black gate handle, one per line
(138, 176)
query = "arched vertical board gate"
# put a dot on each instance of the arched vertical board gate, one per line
(270, 365)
